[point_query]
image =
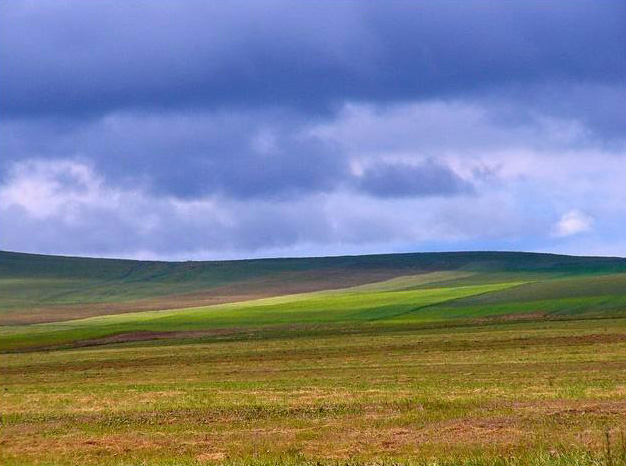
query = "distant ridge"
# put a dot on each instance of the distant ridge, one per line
(14, 262)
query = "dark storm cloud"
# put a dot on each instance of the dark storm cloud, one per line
(189, 155)
(431, 178)
(73, 57)
(166, 127)
(256, 155)
(235, 155)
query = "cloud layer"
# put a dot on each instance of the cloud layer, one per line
(208, 130)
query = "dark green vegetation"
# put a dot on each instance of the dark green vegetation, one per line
(442, 358)
(36, 288)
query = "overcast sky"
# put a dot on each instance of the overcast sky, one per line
(209, 129)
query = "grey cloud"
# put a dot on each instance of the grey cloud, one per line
(189, 155)
(59, 218)
(178, 97)
(53, 207)
(80, 58)
(599, 107)
(430, 178)
(243, 155)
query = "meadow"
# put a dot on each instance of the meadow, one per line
(447, 360)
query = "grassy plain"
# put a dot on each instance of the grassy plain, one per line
(453, 394)
(518, 363)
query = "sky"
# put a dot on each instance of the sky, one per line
(163, 129)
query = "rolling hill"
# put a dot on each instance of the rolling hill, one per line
(52, 300)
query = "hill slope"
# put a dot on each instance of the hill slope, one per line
(39, 288)
(120, 300)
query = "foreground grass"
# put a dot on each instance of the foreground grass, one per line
(511, 393)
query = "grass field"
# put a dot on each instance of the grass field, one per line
(467, 358)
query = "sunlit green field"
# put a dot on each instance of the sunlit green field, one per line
(362, 304)
(466, 365)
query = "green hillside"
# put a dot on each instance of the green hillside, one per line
(50, 301)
